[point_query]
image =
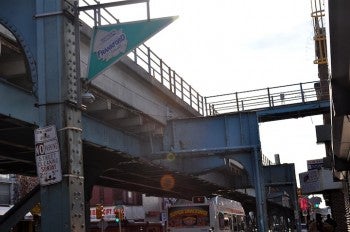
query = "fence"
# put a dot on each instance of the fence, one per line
(265, 98)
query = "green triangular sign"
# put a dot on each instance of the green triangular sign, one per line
(111, 42)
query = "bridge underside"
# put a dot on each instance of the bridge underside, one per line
(212, 148)
(294, 111)
(104, 166)
(114, 168)
(120, 156)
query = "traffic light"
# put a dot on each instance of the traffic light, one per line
(117, 215)
(303, 203)
(99, 211)
(316, 201)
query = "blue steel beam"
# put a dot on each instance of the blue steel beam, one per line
(22, 28)
(212, 133)
(196, 165)
(191, 165)
(283, 178)
(62, 203)
(294, 111)
(22, 106)
(102, 135)
(18, 104)
(217, 135)
(199, 145)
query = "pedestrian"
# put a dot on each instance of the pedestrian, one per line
(331, 222)
(319, 226)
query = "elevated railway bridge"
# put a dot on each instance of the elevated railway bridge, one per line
(137, 126)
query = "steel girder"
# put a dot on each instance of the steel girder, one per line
(23, 29)
(200, 145)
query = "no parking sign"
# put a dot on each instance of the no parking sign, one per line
(47, 155)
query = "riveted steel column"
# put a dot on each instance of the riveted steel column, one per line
(261, 207)
(59, 101)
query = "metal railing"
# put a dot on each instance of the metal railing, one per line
(218, 104)
(152, 64)
(157, 68)
(267, 97)
(266, 161)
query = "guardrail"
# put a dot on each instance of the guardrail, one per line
(266, 161)
(267, 97)
(157, 68)
(218, 104)
(152, 64)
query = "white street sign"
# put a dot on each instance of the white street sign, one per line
(47, 155)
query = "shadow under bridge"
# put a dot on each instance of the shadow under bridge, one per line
(223, 149)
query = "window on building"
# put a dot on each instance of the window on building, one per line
(5, 194)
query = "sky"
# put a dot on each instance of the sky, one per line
(225, 46)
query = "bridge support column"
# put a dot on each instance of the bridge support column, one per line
(59, 104)
(261, 206)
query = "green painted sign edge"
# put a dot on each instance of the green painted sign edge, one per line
(117, 40)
